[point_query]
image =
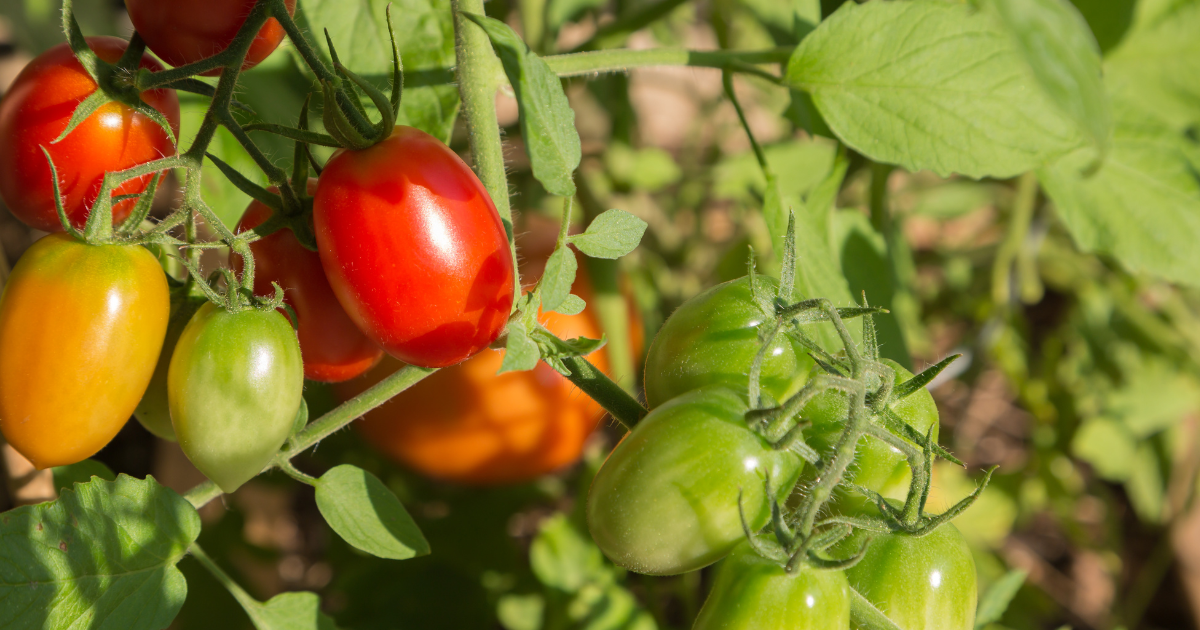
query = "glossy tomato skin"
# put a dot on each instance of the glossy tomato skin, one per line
(925, 583)
(153, 411)
(81, 327)
(234, 388)
(334, 348)
(414, 248)
(877, 465)
(467, 424)
(753, 593)
(666, 499)
(183, 31)
(713, 338)
(36, 110)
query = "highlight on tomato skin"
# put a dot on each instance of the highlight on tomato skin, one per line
(36, 110)
(414, 249)
(333, 348)
(184, 31)
(82, 327)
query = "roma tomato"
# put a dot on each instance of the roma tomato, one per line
(334, 348)
(877, 465)
(81, 327)
(414, 248)
(713, 338)
(925, 583)
(754, 593)
(666, 499)
(234, 388)
(183, 31)
(36, 110)
(153, 410)
(467, 424)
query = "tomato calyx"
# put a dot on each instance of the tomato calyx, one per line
(113, 81)
(345, 118)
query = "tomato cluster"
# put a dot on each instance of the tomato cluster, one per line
(412, 259)
(697, 477)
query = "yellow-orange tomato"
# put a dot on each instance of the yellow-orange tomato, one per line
(81, 327)
(467, 424)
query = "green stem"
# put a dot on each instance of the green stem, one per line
(1018, 229)
(478, 76)
(354, 408)
(200, 495)
(290, 469)
(596, 384)
(248, 603)
(621, 60)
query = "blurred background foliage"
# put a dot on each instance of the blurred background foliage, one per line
(1080, 379)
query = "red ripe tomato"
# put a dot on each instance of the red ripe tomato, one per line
(414, 249)
(332, 347)
(115, 137)
(183, 31)
(467, 424)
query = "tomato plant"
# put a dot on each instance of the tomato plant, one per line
(926, 582)
(81, 326)
(877, 465)
(183, 32)
(713, 338)
(468, 424)
(36, 110)
(234, 388)
(333, 348)
(753, 592)
(666, 499)
(414, 249)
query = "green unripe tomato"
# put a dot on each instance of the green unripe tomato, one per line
(153, 411)
(925, 583)
(234, 387)
(753, 593)
(713, 338)
(666, 499)
(877, 465)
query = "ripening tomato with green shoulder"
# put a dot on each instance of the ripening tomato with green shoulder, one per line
(183, 31)
(713, 339)
(666, 499)
(36, 110)
(877, 465)
(234, 388)
(754, 593)
(414, 248)
(925, 583)
(81, 327)
(334, 349)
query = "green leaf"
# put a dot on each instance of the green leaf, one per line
(995, 601)
(565, 559)
(547, 120)
(65, 477)
(1145, 485)
(611, 235)
(1054, 40)
(1107, 19)
(929, 85)
(862, 253)
(521, 353)
(802, 165)
(1158, 64)
(288, 611)
(1156, 397)
(102, 557)
(424, 37)
(649, 169)
(559, 12)
(1142, 206)
(521, 612)
(558, 277)
(367, 515)
(573, 305)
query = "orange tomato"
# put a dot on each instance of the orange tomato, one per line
(469, 425)
(81, 327)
